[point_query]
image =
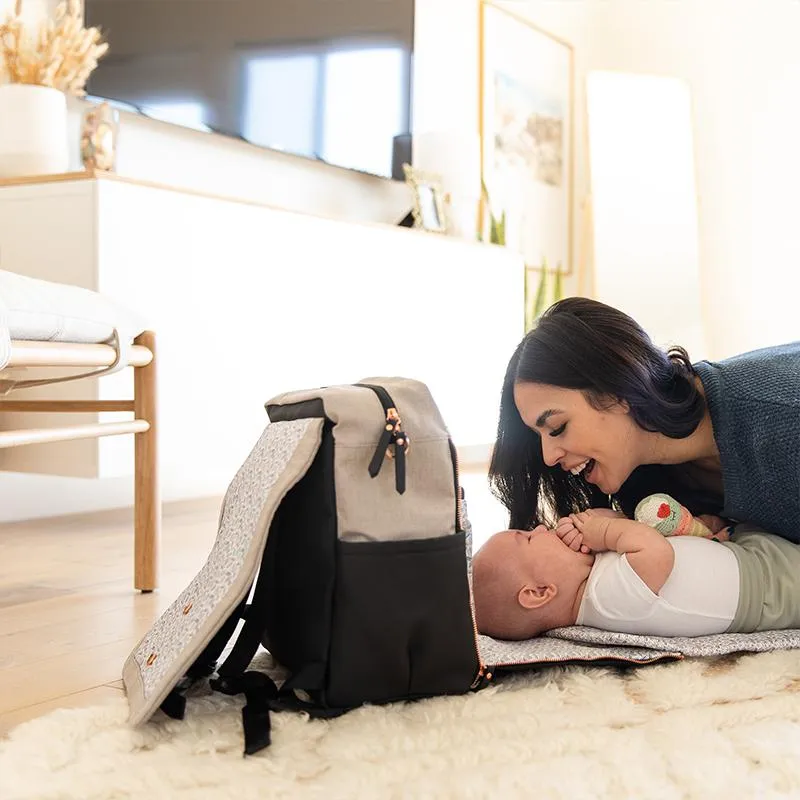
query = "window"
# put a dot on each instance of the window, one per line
(343, 105)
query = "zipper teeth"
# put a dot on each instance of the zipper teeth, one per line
(457, 486)
(483, 670)
(459, 504)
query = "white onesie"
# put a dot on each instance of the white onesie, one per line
(700, 597)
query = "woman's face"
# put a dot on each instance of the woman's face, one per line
(603, 445)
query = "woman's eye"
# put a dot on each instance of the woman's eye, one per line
(558, 431)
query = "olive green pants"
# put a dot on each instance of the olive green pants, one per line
(769, 581)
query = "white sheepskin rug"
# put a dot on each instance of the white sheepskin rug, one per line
(722, 728)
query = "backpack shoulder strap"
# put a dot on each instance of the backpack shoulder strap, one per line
(280, 458)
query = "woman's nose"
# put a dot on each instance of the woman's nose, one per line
(551, 452)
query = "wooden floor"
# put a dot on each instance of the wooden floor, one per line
(68, 613)
(69, 616)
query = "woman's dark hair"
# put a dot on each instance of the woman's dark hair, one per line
(583, 344)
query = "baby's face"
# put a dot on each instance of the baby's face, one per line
(541, 553)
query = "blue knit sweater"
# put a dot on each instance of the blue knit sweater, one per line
(754, 402)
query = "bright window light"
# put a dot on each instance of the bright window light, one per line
(281, 96)
(188, 113)
(343, 105)
(363, 108)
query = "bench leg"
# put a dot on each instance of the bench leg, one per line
(147, 492)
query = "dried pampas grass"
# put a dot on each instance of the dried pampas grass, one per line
(61, 54)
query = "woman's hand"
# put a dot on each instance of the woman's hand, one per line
(572, 537)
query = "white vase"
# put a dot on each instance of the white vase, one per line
(33, 130)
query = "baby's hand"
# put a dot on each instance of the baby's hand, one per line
(592, 526)
(714, 523)
(570, 535)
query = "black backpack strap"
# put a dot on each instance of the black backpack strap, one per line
(174, 704)
(249, 638)
(262, 696)
(259, 690)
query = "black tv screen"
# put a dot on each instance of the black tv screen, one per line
(327, 79)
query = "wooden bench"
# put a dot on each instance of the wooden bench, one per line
(142, 358)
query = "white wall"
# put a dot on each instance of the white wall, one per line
(742, 64)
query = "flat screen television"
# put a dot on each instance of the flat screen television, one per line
(326, 79)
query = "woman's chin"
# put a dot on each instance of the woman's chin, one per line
(598, 479)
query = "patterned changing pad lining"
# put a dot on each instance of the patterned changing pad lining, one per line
(581, 644)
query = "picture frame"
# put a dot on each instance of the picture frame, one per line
(526, 126)
(429, 209)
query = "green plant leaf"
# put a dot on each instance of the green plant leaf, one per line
(558, 284)
(540, 303)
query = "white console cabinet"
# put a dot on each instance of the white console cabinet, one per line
(248, 301)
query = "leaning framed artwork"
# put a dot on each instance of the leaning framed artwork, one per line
(429, 202)
(527, 79)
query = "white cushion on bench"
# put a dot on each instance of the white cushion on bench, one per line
(46, 311)
(37, 310)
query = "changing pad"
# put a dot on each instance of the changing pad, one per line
(579, 644)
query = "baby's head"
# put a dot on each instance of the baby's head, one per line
(526, 582)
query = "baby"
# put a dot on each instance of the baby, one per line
(602, 570)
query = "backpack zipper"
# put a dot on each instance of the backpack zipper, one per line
(393, 441)
(484, 675)
(459, 497)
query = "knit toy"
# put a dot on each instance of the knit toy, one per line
(670, 518)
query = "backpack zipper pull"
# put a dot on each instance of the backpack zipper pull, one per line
(400, 449)
(385, 440)
(393, 443)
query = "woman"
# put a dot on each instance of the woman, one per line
(592, 414)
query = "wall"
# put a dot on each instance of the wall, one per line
(743, 67)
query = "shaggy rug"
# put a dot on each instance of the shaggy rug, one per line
(705, 728)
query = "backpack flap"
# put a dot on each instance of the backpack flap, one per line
(280, 458)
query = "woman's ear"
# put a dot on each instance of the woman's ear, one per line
(608, 403)
(623, 406)
(533, 597)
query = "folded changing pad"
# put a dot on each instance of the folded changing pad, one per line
(579, 644)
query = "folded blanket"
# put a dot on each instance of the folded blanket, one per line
(581, 644)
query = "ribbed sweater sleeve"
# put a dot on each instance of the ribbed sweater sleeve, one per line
(754, 403)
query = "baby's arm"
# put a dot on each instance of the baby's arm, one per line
(650, 555)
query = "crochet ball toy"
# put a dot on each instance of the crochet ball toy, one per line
(669, 517)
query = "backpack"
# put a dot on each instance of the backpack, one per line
(343, 548)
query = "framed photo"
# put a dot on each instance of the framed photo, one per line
(429, 203)
(527, 137)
